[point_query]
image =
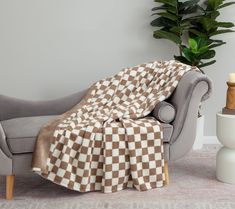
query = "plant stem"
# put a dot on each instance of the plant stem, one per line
(201, 70)
(180, 50)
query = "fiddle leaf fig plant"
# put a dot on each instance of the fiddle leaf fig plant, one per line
(192, 27)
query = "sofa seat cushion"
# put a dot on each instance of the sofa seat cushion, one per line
(21, 133)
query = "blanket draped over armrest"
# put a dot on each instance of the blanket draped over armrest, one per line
(108, 142)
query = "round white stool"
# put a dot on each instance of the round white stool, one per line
(225, 160)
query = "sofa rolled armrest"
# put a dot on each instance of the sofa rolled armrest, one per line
(192, 89)
(14, 108)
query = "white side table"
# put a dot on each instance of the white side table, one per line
(225, 160)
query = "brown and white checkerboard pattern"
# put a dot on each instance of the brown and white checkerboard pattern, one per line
(109, 143)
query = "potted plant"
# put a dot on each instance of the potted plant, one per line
(193, 28)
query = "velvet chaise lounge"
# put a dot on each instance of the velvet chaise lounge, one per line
(20, 122)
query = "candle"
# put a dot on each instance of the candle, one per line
(231, 78)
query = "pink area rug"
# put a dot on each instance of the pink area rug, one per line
(192, 186)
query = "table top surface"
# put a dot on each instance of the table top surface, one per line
(225, 115)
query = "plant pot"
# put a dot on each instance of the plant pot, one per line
(198, 144)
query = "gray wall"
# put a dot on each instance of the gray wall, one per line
(51, 48)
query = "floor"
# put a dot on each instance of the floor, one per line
(193, 186)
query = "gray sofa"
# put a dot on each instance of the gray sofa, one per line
(21, 120)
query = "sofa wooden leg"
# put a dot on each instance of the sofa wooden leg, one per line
(9, 186)
(166, 171)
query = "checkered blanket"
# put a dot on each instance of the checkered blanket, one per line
(108, 141)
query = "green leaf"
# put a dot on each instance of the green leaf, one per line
(154, 14)
(172, 10)
(157, 22)
(212, 14)
(207, 55)
(168, 2)
(194, 20)
(188, 4)
(163, 22)
(188, 54)
(196, 32)
(177, 30)
(189, 10)
(216, 40)
(216, 45)
(206, 64)
(168, 16)
(226, 4)
(214, 4)
(185, 22)
(167, 35)
(207, 23)
(199, 45)
(193, 44)
(202, 42)
(224, 24)
(183, 60)
(201, 8)
(203, 49)
(221, 32)
(166, 8)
